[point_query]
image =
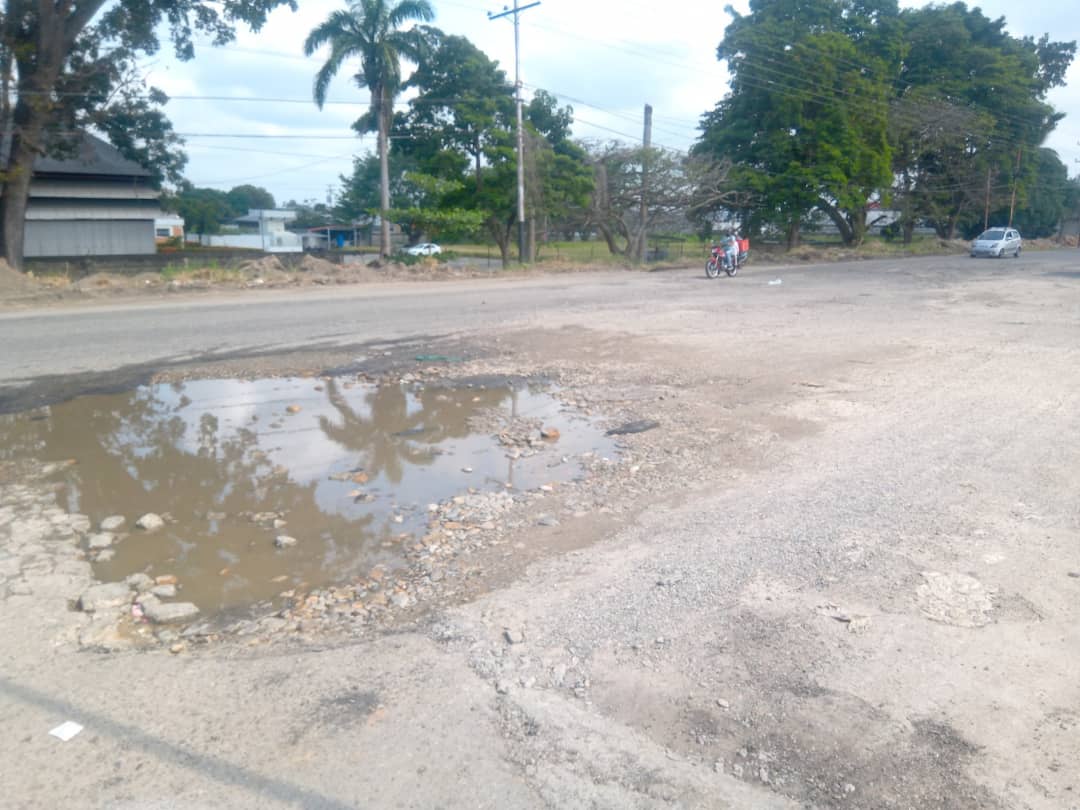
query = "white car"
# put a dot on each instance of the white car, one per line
(424, 249)
(997, 242)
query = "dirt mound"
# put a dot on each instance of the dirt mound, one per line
(313, 264)
(12, 281)
(268, 265)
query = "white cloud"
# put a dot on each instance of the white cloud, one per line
(606, 58)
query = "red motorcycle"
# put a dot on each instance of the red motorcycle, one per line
(719, 260)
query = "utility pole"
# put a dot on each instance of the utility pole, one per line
(646, 142)
(986, 215)
(516, 11)
(1016, 179)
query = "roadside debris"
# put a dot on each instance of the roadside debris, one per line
(66, 731)
(639, 426)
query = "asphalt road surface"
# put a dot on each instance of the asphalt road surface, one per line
(75, 340)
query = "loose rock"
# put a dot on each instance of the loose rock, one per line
(150, 522)
(140, 582)
(96, 542)
(104, 597)
(164, 591)
(285, 541)
(514, 636)
(639, 426)
(112, 523)
(168, 612)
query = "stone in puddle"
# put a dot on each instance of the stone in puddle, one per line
(96, 542)
(164, 591)
(112, 523)
(150, 522)
(140, 582)
(284, 541)
(104, 597)
(168, 612)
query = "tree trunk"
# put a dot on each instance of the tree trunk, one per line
(909, 230)
(39, 66)
(793, 234)
(501, 234)
(384, 174)
(852, 228)
(28, 124)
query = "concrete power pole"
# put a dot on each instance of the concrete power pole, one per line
(516, 11)
(646, 142)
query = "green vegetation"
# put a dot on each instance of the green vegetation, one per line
(937, 110)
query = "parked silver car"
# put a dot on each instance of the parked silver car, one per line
(424, 249)
(997, 242)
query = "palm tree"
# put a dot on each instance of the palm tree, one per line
(370, 30)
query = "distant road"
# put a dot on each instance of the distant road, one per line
(100, 337)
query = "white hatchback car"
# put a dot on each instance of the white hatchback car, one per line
(997, 242)
(424, 249)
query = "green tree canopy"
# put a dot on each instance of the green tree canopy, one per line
(246, 198)
(834, 103)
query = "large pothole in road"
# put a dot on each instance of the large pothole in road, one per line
(278, 486)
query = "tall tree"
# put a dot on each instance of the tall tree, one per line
(61, 62)
(805, 122)
(370, 30)
(678, 187)
(247, 197)
(990, 87)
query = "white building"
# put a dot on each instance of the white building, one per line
(265, 231)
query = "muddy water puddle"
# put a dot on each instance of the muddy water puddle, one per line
(346, 470)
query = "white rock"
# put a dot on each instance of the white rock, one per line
(100, 540)
(150, 522)
(112, 523)
(284, 541)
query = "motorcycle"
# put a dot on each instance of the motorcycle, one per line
(718, 260)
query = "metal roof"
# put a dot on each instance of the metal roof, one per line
(92, 156)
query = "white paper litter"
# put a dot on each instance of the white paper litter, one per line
(65, 731)
(776, 282)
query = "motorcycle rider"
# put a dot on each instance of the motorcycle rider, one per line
(731, 249)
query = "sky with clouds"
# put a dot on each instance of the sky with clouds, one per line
(247, 115)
